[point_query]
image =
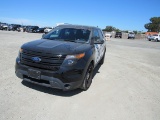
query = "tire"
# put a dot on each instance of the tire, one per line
(157, 40)
(88, 78)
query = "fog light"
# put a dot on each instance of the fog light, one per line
(67, 86)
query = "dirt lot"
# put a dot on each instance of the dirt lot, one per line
(126, 87)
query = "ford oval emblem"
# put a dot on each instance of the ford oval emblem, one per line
(36, 59)
(59, 56)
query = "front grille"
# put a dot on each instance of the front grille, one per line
(48, 60)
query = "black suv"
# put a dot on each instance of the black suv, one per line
(33, 29)
(63, 59)
(40, 30)
(118, 34)
(15, 26)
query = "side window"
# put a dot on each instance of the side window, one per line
(96, 35)
(100, 34)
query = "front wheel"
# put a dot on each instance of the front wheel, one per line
(88, 78)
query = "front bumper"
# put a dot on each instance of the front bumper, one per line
(118, 36)
(66, 78)
(131, 36)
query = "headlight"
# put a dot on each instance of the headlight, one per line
(78, 56)
(19, 53)
(72, 59)
(20, 50)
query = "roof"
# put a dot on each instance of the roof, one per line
(77, 26)
(151, 33)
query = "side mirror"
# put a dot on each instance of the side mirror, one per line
(99, 42)
(96, 40)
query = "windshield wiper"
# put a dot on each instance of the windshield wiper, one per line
(69, 40)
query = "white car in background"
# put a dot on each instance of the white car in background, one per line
(108, 36)
(131, 35)
(48, 29)
(149, 37)
(156, 37)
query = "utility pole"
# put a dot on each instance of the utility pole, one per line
(159, 28)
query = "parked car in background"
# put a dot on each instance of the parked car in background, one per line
(118, 34)
(15, 26)
(27, 28)
(33, 29)
(21, 29)
(3, 26)
(10, 27)
(149, 37)
(155, 37)
(108, 35)
(40, 30)
(131, 35)
(48, 29)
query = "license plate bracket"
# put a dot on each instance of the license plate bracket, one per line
(34, 74)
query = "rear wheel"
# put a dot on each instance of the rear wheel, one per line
(88, 78)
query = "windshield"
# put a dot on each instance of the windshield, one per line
(69, 34)
(118, 33)
(131, 33)
(48, 28)
(33, 26)
(155, 35)
(40, 28)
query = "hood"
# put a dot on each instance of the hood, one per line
(56, 47)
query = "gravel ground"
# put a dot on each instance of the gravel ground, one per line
(125, 87)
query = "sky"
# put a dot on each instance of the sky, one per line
(122, 14)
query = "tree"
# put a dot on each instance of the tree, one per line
(125, 31)
(135, 31)
(110, 29)
(154, 25)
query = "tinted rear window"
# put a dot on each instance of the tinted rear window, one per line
(118, 33)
